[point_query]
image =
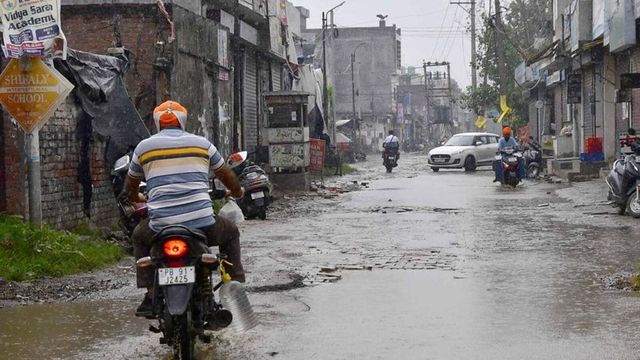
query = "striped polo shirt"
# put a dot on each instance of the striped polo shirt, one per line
(175, 165)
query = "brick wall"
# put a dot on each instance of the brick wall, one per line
(91, 29)
(62, 195)
(13, 168)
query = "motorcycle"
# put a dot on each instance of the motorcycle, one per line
(390, 157)
(183, 298)
(256, 184)
(624, 183)
(533, 160)
(511, 172)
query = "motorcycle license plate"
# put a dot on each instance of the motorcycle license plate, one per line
(391, 158)
(512, 159)
(176, 275)
(257, 195)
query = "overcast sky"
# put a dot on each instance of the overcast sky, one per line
(431, 29)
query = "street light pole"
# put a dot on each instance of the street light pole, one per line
(325, 88)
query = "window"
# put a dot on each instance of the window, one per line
(493, 140)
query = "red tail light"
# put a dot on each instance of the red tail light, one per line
(175, 248)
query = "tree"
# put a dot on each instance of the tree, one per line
(524, 21)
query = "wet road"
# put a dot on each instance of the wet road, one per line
(461, 268)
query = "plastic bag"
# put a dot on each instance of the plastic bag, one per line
(232, 212)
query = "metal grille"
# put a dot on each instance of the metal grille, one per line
(440, 159)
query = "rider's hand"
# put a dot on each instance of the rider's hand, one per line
(141, 198)
(239, 194)
(229, 193)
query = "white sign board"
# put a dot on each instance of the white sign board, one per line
(289, 155)
(32, 28)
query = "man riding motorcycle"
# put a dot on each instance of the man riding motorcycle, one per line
(391, 144)
(506, 141)
(175, 164)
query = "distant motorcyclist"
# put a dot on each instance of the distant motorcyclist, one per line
(506, 141)
(391, 144)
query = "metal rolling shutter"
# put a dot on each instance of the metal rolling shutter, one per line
(276, 76)
(587, 102)
(250, 103)
(635, 67)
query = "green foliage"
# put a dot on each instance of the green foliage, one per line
(523, 22)
(27, 253)
(346, 170)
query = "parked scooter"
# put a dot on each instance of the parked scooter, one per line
(533, 159)
(257, 186)
(130, 213)
(623, 182)
(510, 159)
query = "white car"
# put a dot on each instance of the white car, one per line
(466, 150)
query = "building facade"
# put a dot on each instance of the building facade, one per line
(217, 57)
(376, 66)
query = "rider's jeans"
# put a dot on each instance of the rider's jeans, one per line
(223, 233)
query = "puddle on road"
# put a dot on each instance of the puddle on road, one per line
(387, 314)
(59, 331)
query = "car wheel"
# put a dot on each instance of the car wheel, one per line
(470, 164)
(435, 169)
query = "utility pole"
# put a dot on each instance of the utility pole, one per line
(356, 125)
(356, 120)
(500, 56)
(426, 94)
(325, 88)
(474, 57)
(474, 74)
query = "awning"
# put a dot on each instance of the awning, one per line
(342, 138)
(342, 122)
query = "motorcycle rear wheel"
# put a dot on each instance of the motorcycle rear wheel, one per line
(389, 168)
(633, 207)
(184, 342)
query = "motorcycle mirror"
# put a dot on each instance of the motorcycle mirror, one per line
(122, 163)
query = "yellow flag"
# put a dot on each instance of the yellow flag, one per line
(506, 110)
(481, 122)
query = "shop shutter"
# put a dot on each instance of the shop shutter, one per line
(250, 101)
(276, 76)
(588, 96)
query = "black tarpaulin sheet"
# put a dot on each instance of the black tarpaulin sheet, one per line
(104, 98)
(107, 111)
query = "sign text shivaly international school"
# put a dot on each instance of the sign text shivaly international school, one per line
(14, 19)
